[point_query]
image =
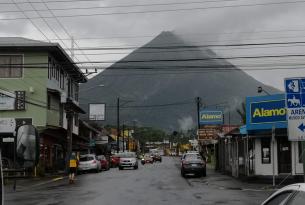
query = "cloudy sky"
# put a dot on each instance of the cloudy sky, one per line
(131, 23)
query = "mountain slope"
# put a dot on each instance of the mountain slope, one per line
(163, 87)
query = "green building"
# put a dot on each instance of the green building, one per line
(39, 82)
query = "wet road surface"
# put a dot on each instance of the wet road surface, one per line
(152, 184)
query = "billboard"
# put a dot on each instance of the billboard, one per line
(263, 112)
(97, 111)
(211, 117)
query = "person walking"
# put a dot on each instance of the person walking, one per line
(72, 167)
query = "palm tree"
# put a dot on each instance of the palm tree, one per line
(242, 112)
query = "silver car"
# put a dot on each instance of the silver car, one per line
(89, 162)
(128, 159)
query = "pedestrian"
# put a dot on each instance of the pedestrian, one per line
(72, 167)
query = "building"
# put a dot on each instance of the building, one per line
(39, 85)
(251, 151)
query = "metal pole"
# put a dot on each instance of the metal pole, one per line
(1, 180)
(198, 102)
(127, 145)
(123, 137)
(272, 148)
(69, 137)
(303, 157)
(118, 125)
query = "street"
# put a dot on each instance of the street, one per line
(152, 184)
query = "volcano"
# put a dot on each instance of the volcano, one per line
(158, 83)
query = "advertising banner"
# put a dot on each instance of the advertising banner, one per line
(211, 117)
(263, 112)
(97, 112)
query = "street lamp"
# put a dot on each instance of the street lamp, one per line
(260, 90)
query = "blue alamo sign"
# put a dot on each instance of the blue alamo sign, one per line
(265, 111)
(211, 117)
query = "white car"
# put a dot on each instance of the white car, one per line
(128, 159)
(89, 162)
(293, 194)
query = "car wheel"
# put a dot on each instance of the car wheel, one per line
(120, 168)
(136, 167)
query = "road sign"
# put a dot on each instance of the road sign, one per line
(295, 103)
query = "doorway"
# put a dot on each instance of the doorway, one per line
(284, 155)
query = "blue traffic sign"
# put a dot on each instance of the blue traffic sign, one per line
(294, 100)
(292, 86)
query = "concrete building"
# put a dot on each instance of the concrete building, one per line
(39, 82)
(250, 151)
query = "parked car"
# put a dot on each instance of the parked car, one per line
(128, 159)
(293, 194)
(89, 162)
(104, 162)
(193, 164)
(114, 160)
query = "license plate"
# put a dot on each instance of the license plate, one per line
(194, 165)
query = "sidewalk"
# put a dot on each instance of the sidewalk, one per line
(34, 182)
(223, 181)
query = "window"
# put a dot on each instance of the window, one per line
(49, 102)
(76, 120)
(299, 199)
(266, 156)
(279, 199)
(11, 66)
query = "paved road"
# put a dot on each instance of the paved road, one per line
(156, 184)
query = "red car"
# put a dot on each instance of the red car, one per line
(114, 161)
(104, 162)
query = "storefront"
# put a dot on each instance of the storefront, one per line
(266, 120)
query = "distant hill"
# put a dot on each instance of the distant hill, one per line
(163, 92)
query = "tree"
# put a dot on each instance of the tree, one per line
(242, 112)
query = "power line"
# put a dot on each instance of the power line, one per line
(128, 6)
(40, 65)
(192, 46)
(63, 27)
(160, 11)
(52, 1)
(32, 22)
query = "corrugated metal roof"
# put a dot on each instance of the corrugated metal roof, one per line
(17, 41)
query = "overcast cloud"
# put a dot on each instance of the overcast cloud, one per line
(284, 22)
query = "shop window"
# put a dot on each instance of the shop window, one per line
(266, 150)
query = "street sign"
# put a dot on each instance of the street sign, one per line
(8, 139)
(295, 103)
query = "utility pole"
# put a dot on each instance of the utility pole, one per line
(198, 103)
(69, 115)
(118, 125)
(303, 157)
(127, 144)
(123, 137)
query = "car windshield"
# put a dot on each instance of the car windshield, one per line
(127, 155)
(86, 158)
(192, 157)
